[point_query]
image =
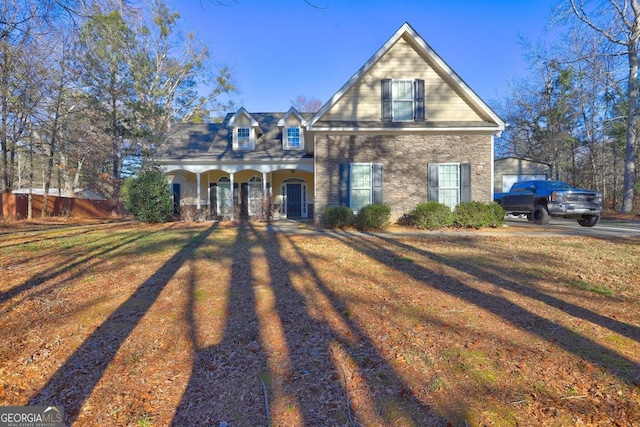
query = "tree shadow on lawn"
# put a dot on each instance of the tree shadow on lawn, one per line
(616, 363)
(39, 236)
(342, 353)
(73, 382)
(278, 336)
(77, 259)
(228, 371)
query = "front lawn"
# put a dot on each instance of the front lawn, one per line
(185, 325)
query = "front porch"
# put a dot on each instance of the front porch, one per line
(244, 194)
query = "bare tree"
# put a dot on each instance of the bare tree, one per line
(618, 21)
(306, 105)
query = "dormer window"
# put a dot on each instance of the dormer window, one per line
(403, 100)
(293, 138)
(245, 130)
(292, 125)
(244, 139)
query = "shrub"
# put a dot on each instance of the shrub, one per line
(430, 215)
(337, 217)
(190, 213)
(372, 217)
(147, 196)
(478, 214)
(498, 212)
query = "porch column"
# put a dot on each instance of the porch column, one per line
(198, 190)
(233, 208)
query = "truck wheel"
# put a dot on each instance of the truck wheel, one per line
(589, 220)
(541, 215)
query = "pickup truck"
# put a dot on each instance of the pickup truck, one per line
(540, 200)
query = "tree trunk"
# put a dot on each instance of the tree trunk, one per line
(630, 150)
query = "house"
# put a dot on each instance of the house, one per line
(403, 130)
(508, 170)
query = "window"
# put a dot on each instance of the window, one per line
(244, 139)
(360, 184)
(293, 138)
(255, 196)
(403, 100)
(450, 183)
(223, 197)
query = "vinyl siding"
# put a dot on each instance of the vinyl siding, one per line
(362, 102)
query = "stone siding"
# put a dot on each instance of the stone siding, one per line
(405, 159)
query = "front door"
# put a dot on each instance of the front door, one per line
(294, 200)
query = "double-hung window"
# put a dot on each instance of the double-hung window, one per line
(403, 100)
(360, 184)
(293, 138)
(244, 139)
(449, 183)
(361, 191)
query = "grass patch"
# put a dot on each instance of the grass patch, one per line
(590, 287)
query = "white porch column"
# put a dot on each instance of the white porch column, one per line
(264, 183)
(198, 205)
(233, 208)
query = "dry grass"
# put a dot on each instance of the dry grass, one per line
(194, 325)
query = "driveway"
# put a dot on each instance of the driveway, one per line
(570, 227)
(514, 225)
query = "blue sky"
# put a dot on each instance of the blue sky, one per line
(279, 49)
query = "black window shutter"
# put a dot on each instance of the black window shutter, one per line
(433, 181)
(465, 182)
(419, 115)
(343, 192)
(377, 183)
(386, 100)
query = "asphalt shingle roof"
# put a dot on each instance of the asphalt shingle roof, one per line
(214, 141)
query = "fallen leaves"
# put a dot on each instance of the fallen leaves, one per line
(338, 330)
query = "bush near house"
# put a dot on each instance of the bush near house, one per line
(478, 214)
(147, 196)
(373, 217)
(433, 215)
(337, 217)
(429, 215)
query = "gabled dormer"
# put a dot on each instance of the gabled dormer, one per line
(292, 127)
(245, 130)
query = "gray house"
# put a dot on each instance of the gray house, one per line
(403, 130)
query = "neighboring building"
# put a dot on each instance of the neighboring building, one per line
(509, 170)
(403, 130)
(78, 193)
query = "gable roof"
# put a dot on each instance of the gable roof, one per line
(292, 111)
(243, 112)
(419, 44)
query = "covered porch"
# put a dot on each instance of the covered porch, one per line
(243, 191)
